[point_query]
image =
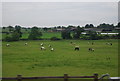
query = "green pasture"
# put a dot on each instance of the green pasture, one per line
(46, 35)
(25, 34)
(51, 34)
(0, 35)
(30, 61)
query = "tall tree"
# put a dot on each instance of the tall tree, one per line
(11, 29)
(106, 26)
(66, 34)
(70, 27)
(3, 27)
(18, 30)
(77, 32)
(89, 26)
(118, 25)
(13, 36)
(34, 34)
(93, 35)
(45, 29)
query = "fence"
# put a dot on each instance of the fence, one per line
(65, 77)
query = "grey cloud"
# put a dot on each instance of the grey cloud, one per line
(57, 13)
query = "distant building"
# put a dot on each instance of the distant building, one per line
(98, 30)
(58, 29)
(117, 29)
(107, 30)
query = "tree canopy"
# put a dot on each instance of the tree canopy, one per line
(66, 34)
(77, 32)
(34, 34)
(89, 26)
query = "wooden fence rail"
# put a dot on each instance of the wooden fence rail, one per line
(65, 77)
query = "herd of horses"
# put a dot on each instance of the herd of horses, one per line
(76, 48)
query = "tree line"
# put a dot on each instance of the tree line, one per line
(15, 33)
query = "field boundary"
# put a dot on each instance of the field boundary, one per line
(65, 77)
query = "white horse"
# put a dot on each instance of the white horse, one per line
(42, 48)
(7, 45)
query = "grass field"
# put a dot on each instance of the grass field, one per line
(31, 61)
(46, 35)
(25, 34)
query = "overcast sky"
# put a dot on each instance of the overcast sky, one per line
(47, 14)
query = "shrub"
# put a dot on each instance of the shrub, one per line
(54, 38)
(8, 38)
(106, 37)
(12, 37)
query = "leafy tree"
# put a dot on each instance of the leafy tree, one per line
(106, 37)
(34, 34)
(14, 36)
(89, 26)
(59, 27)
(45, 29)
(106, 26)
(66, 34)
(70, 26)
(118, 36)
(18, 30)
(63, 27)
(3, 27)
(77, 32)
(8, 38)
(93, 35)
(11, 29)
(118, 25)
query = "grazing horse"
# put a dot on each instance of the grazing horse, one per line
(52, 49)
(7, 45)
(41, 44)
(76, 48)
(25, 43)
(90, 49)
(71, 42)
(110, 43)
(92, 43)
(49, 46)
(42, 48)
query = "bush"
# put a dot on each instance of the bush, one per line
(54, 38)
(8, 39)
(85, 37)
(106, 37)
(12, 37)
(15, 36)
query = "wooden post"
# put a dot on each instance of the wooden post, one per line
(96, 77)
(65, 77)
(19, 77)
